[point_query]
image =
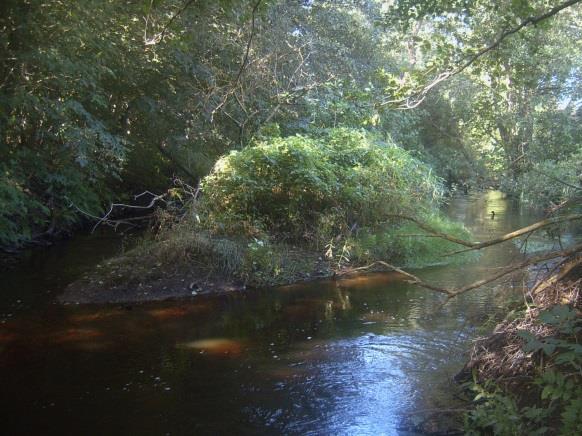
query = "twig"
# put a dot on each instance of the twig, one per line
(110, 222)
(243, 64)
(105, 217)
(160, 35)
(249, 42)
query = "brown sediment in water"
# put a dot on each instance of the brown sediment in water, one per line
(97, 316)
(7, 336)
(169, 312)
(214, 346)
(75, 335)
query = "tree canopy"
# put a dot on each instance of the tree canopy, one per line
(102, 100)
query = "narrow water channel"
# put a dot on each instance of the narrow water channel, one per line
(358, 356)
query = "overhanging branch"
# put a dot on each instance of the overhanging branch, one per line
(414, 101)
(453, 292)
(479, 245)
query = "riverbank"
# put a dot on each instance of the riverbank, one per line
(526, 375)
(154, 272)
(117, 282)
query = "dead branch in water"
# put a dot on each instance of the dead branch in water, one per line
(479, 245)
(411, 277)
(517, 233)
(565, 267)
(453, 292)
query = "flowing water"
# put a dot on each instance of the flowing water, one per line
(366, 355)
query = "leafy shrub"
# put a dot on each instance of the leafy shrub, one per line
(558, 409)
(312, 188)
(542, 185)
(36, 199)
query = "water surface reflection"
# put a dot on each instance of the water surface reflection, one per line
(349, 357)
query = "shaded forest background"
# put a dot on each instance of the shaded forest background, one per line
(101, 100)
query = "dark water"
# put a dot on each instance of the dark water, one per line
(360, 356)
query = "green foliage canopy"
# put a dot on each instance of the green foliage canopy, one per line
(301, 185)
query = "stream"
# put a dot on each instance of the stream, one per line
(365, 355)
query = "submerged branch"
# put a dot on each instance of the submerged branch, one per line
(411, 277)
(453, 292)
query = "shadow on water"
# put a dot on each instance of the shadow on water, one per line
(356, 356)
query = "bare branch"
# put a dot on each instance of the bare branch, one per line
(531, 261)
(505, 34)
(190, 191)
(105, 218)
(249, 43)
(243, 64)
(453, 292)
(525, 230)
(479, 245)
(565, 268)
(411, 277)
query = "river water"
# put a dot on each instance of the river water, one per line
(366, 355)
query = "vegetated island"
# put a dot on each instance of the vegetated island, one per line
(284, 210)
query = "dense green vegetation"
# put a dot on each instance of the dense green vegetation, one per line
(287, 208)
(103, 100)
(303, 187)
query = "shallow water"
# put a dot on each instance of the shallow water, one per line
(366, 355)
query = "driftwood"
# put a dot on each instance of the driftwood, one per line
(453, 292)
